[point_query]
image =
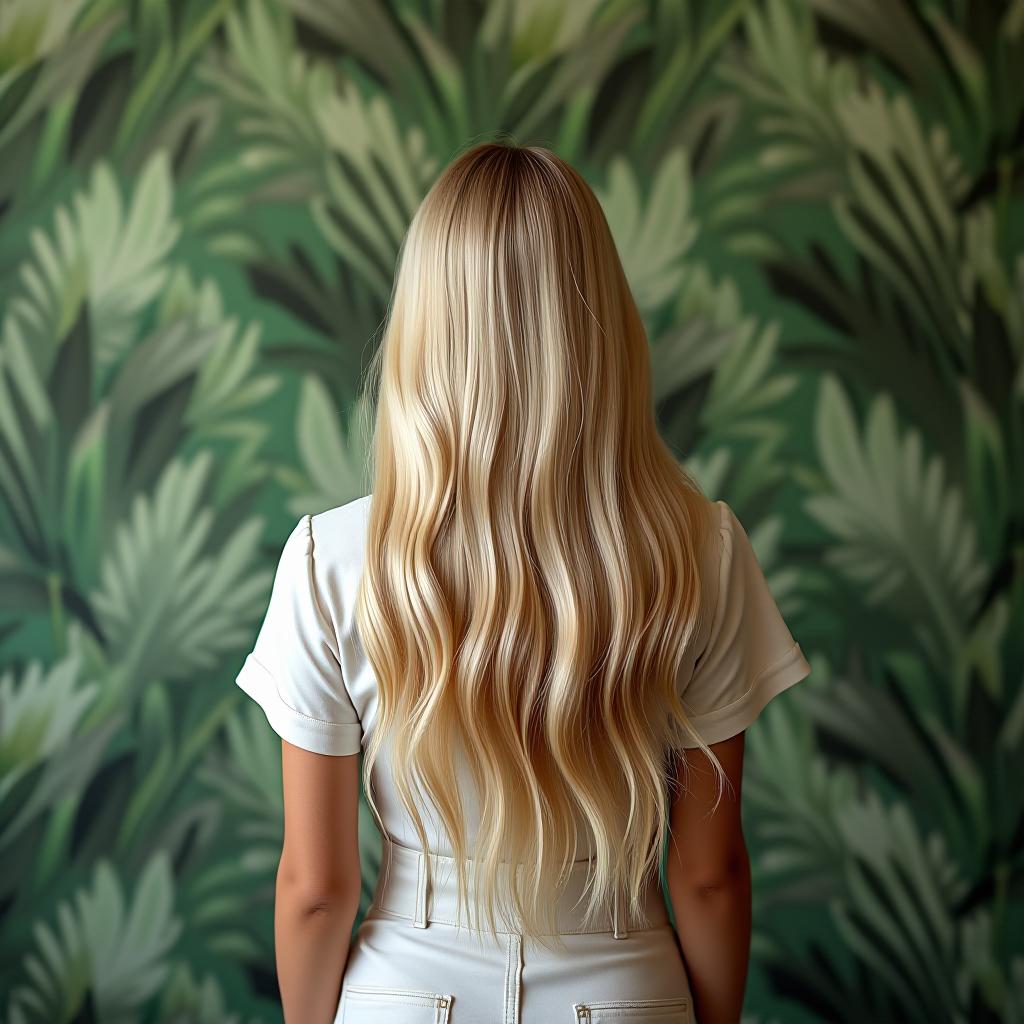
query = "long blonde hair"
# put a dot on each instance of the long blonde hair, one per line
(532, 577)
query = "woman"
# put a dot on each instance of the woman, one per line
(559, 636)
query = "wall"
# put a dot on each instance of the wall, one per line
(819, 208)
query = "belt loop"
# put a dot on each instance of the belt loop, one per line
(419, 918)
(618, 925)
(382, 874)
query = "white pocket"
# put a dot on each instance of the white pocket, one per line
(383, 1004)
(672, 1010)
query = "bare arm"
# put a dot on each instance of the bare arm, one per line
(318, 881)
(708, 876)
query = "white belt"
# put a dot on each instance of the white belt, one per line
(402, 890)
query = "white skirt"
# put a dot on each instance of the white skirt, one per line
(412, 962)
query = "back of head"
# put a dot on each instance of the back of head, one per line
(532, 559)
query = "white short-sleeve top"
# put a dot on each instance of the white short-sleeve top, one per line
(308, 672)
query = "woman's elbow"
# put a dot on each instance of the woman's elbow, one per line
(336, 896)
(688, 877)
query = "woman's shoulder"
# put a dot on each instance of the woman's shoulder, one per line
(718, 527)
(339, 535)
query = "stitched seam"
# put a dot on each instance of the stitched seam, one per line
(726, 534)
(325, 619)
(438, 919)
(508, 971)
(723, 532)
(516, 944)
(768, 670)
(421, 890)
(320, 722)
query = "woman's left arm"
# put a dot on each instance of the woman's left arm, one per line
(318, 881)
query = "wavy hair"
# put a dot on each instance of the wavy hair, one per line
(531, 578)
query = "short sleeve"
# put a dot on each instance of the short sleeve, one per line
(294, 671)
(749, 655)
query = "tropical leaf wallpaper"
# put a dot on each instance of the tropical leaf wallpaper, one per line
(820, 206)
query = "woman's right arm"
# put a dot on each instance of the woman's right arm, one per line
(708, 876)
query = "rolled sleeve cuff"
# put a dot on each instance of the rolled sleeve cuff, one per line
(335, 738)
(735, 717)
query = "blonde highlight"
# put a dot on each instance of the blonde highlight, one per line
(532, 571)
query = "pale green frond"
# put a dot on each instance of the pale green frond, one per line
(39, 713)
(274, 84)
(526, 62)
(61, 469)
(55, 283)
(557, 82)
(333, 453)
(905, 888)
(746, 383)
(228, 380)
(706, 320)
(251, 776)
(129, 945)
(955, 62)
(541, 29)
(125, 252)
(873, 723)
(370, 30)
(902, 530)
(795, 87)
(57, 972)
(711, 469)
(38, 790)
(246, 777)
(99, 254)
(32, 29)
(174, 594)
(49, 66)
(766, 540)
(984, 267)
(905, 185)
(27, 427)
(685, 353)
(891, 29)
(187, 999)
(374, 180)
(261, 44)
(117, 956)
(795, 796)
(688, 40)
(652, 242)
(985, 969)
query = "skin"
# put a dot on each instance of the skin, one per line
(708, 877)
(318, 881)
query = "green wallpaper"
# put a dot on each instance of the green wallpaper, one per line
(819, 206)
